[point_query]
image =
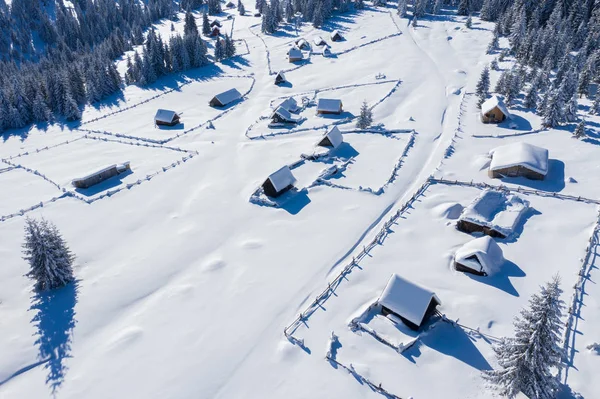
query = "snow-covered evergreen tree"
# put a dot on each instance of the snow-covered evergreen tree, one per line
(527, 361)
(464, 7)
(531, 97)
(240, 7)
(229, 49)
(205, 24)
(50, 259)
(365, 119)
(579, 132)
(219, 50)
(571, 109)
(553, 113)
(401, 9)
(190, 27)
(596, 105)
(483, 86)
(214, 7)
(469, 22)
(41, 111)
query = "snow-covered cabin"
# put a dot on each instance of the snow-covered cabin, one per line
(329, 106)
(519, 159)
(280, 78)
(295, 55)
(230, 5)
(333, 138)
(290, 104)
(279, 182)
(409, 301)
(319, 41)
(101, 175)
(165, 117)
(215, 23)
(282, 115)
(302, 44)
(227, 97)
(215, 32)
(481, 256)
(336, 36)
(494, 110)
(493, 213)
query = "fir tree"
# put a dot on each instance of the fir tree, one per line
(229, 49)
(596, 105)
(219, 50)
(240, 7)
(190, 27)
(365, 119)
(483, 86)
(71, 110)
(469, 23)
(41, 111)
(464, 7)
(437, 6)
(553, 113)
(205, 24)
(414, 21)
(49, 257)
(571, 109)
(526, 361)
(214, 7)
(531, 97)
(401, 9)
(579, 132)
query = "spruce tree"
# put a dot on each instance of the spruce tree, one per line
(41, 112)
(483, 86)
(229, 47)
(579, 132)
(571, 109)
(464, 7)
(553, 113)
(205, 24)
(596, 105)
(527, 360)
(365, 119)
(190, 27)
(401, 9)
(50, 259)
(240, 7)
(531, 97)
(219, 50)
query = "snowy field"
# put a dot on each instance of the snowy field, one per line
(184, 286)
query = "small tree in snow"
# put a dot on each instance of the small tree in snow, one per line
(483, 86)
(571, 109)
(469, 23)
(49, 257)
(553, 112)
(527, 360)
(579, 132)
(205, 24)
(240, 7)
(414, 21)
(596, 105)
(401, 9)
(365, 118)
(464, 7)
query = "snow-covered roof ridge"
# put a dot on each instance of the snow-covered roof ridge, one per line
(487, 251)
(121, 167)
(164, 115)
(335, 137)
(282, 178)
(228, 96)
(329, 104)
(497, 210)
(492, 103)
(406, 298)
(295, 53)
(284, 114)
(520, 154)
(289, 104)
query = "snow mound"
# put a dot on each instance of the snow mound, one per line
(482, 255)
(450, 210)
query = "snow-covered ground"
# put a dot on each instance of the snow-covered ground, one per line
(184, 286)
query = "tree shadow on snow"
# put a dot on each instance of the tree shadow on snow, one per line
(54, 321)
(501, 280)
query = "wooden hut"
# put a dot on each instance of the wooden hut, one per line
(295, 55)
(519, 160)
(481, 256)
(494, 110)
(302, 44)
(319, 41)
(336, 36)
(227, 97)
(215, 23)
(100, 175)
(279, 182)
(165, 117)
(290, 104)
(413, 304)
(280, 78)
(333, 138)
(329, 106)
(282, 115)
(215, 32)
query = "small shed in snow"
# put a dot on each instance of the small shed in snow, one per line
(329, 106)
(230, 5)
(319, 41)
(494, 110)
(100, 175)
(280, 78)
(519, 159)
(227, 97)
(336, 36)
(290, 104)
(279, 182)
(481, 256)
(295, 55)
(302, 44)
(215, 23)
(409, 301)
(333, 138)
(282, 115)
(215, 31)
(165, 117)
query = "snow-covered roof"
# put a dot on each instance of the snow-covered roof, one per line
(489, 257)
(335, 137)
(407, 299)
(520, 154)
(329, 105)
(228, 96)
(335, 33)
(164, 115)
(492, 103)
(318, 40)
(281, 74)
(295, 53)
(497, 210)
(282, 178)
(284, 114)
(301, 43)
(119, 166)
(289, 104)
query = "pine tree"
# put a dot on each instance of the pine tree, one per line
(219, 50)
(596, 105)
(229, 49)
(571, 109)
(190, 27)
(240, 7)
(526, 361)
(401, 9)
(214, 7)
(71, 110)
(464, 7)
(437, 6)
(553, 113)
(318, 18)
(483, 86)
(469, 22)
(531, 97)
(365, 119)
(41, 111)
(205, 24)
(579, 132)
(49, 257)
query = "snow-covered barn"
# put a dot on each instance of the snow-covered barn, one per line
(329, 106)
(279, 182)
(290, 104)
(282, 115)
(280, 78)
(413, 304)
(519, 159)
(295, 55)
(333, 138)
(481, 256)
(165, 117)
(493, 213)
(319, 41)
(215, 23)
(215, 32)
(302, 44)
(336, 36)
(494, 110)
(101, 175)
(227, 97)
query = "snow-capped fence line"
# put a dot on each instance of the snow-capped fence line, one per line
(40, 204)
(518, 190)
(368, 43)
(574, 310)
(33, 172)
(502, 136)
(48, 147)
(322, 297)
(334, 123)
(7, 169)
(245, 44)
(138, 144)
(462, 109)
